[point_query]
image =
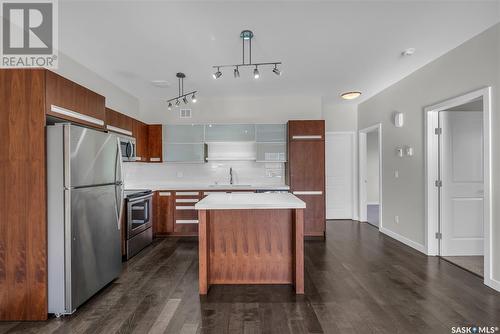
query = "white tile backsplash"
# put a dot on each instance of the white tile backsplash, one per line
(244, 172)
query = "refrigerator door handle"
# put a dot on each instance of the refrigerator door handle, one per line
(119, 192)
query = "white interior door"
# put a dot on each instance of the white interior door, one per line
(339, 175)
(362, 178)
(462, 190)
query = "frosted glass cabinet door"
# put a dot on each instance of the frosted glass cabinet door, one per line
(184, 152)
(270, 133)
(229, 132)
(271, 152)
(184, 133)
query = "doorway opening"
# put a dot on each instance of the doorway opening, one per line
(458, 191)
(370, 175)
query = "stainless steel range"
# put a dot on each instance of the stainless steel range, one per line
(139, 218)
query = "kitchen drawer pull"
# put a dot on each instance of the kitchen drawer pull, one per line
(155, 159)
(184, 208)
(187, 193)
(119, 130)
(307, 193)
(186, 221)
(186, 200)
(308, 137)
(164, 193)
(138, 158)
(77, 115)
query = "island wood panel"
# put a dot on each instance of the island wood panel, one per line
(116, 119)
(67, 94)
(251, 247)
(23, 226)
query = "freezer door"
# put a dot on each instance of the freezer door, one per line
(92, 157)
(96, 241)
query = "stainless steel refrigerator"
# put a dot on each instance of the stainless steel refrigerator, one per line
(85, 199)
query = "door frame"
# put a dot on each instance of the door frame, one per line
(352, 134)
(432, 205)
(363, 172)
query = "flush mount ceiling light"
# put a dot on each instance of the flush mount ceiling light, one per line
(182, 96)
(350, 95)
(246, 38)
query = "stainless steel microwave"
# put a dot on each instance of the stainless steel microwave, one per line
(127, 146)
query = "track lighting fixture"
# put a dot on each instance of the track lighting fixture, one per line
(182, 96)
(256, 73)
(276, 70)
(246, 37)
(217, 74)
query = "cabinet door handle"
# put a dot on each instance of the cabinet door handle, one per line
(308, 137)
(164, 193)
(155, 159)
(308, 192)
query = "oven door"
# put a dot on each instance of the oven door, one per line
(139, 215)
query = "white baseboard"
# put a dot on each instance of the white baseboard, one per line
(406, 241)
(492, 283)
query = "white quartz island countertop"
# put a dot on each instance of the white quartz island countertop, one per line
(232, 201)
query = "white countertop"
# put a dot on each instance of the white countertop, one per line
(227, 201)
(199, 186)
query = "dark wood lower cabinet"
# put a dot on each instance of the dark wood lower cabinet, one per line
(163, 221)
(314, 215)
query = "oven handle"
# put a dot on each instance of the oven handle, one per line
(138, 199)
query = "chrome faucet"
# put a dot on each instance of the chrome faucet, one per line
(231, 175)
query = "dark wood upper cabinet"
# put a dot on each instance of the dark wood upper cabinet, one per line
(155, 142)
(118, 120)
(306, 171)
(68, 100)
(141, 134)
(310, 130)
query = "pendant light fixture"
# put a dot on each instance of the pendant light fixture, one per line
(246, 37)
(182, 97)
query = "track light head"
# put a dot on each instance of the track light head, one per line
(169, 106)
(193, 98)
(256, 73)
(217, 74)
(177, 102)
(236, 72)
(276, 70)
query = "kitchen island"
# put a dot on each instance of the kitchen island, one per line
(251, 238)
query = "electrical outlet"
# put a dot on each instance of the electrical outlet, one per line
(396, 219)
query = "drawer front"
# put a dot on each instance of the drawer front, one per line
(186, 217)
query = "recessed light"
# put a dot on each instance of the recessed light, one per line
(160, 83)
(408, 52)
(350, 95)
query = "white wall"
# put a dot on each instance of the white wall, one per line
(116, 98)
(266, 109)
(339, 116)
(372, 168)
(470, 66)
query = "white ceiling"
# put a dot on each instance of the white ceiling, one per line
(326, 47)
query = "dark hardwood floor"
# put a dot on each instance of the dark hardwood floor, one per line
(358, 281)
